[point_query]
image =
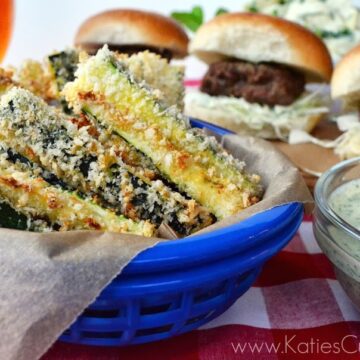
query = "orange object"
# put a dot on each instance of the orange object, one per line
(6, 20)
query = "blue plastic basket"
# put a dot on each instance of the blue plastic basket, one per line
(177, 286)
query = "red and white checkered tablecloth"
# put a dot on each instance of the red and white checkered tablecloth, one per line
(296, 310)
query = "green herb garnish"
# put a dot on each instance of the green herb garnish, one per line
(330, 34)
(253, 8)
(195, 18)
(221, 11)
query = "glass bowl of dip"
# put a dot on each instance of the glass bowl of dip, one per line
(337, 223)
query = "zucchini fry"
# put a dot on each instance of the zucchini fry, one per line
(37, 78)
(6, 81)
(12, 219)
(145, 66)
(33, 196)
(68, 148)
(187, 157)
(63, 65)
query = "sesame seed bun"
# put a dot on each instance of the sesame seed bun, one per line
(133, 27)
(262, 38)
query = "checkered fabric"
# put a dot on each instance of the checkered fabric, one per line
(296, 309)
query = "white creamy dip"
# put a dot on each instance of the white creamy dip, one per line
(345, 202)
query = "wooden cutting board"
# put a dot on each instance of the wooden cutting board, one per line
(310, 157)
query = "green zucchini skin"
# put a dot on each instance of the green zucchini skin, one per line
(194, 162)
(30, 195)
(64, 65)
(12, 219)
(69, 148)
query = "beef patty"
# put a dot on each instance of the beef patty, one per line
(263, 83)
(165, 53)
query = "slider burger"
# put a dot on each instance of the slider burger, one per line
(259, 67)
(345, 82)
(132, 31)
(345, 86)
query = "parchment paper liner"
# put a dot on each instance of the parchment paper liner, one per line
(47, 280)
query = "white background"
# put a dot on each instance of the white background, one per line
(45, 25)
(42, 26)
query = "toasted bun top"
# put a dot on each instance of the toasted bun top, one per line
(346, 78)
(262, 38)
(133, 27)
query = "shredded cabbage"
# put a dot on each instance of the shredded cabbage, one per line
(301, 137)
(348, 145)
(277, 120)
(335, 21)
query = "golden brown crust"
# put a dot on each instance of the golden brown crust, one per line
(130, 27)
(345, 82)
(276, 40)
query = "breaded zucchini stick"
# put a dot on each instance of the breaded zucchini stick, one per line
(12, 219)
(194, 162)
(63, 65)
(37, 78)
(145, 66)
(68, 148)
(6, 81)
(33, 196)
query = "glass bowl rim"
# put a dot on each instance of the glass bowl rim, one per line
(321, 200)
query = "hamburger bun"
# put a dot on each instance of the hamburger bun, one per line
(262, 38)
(133, 28)
(345, 83)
